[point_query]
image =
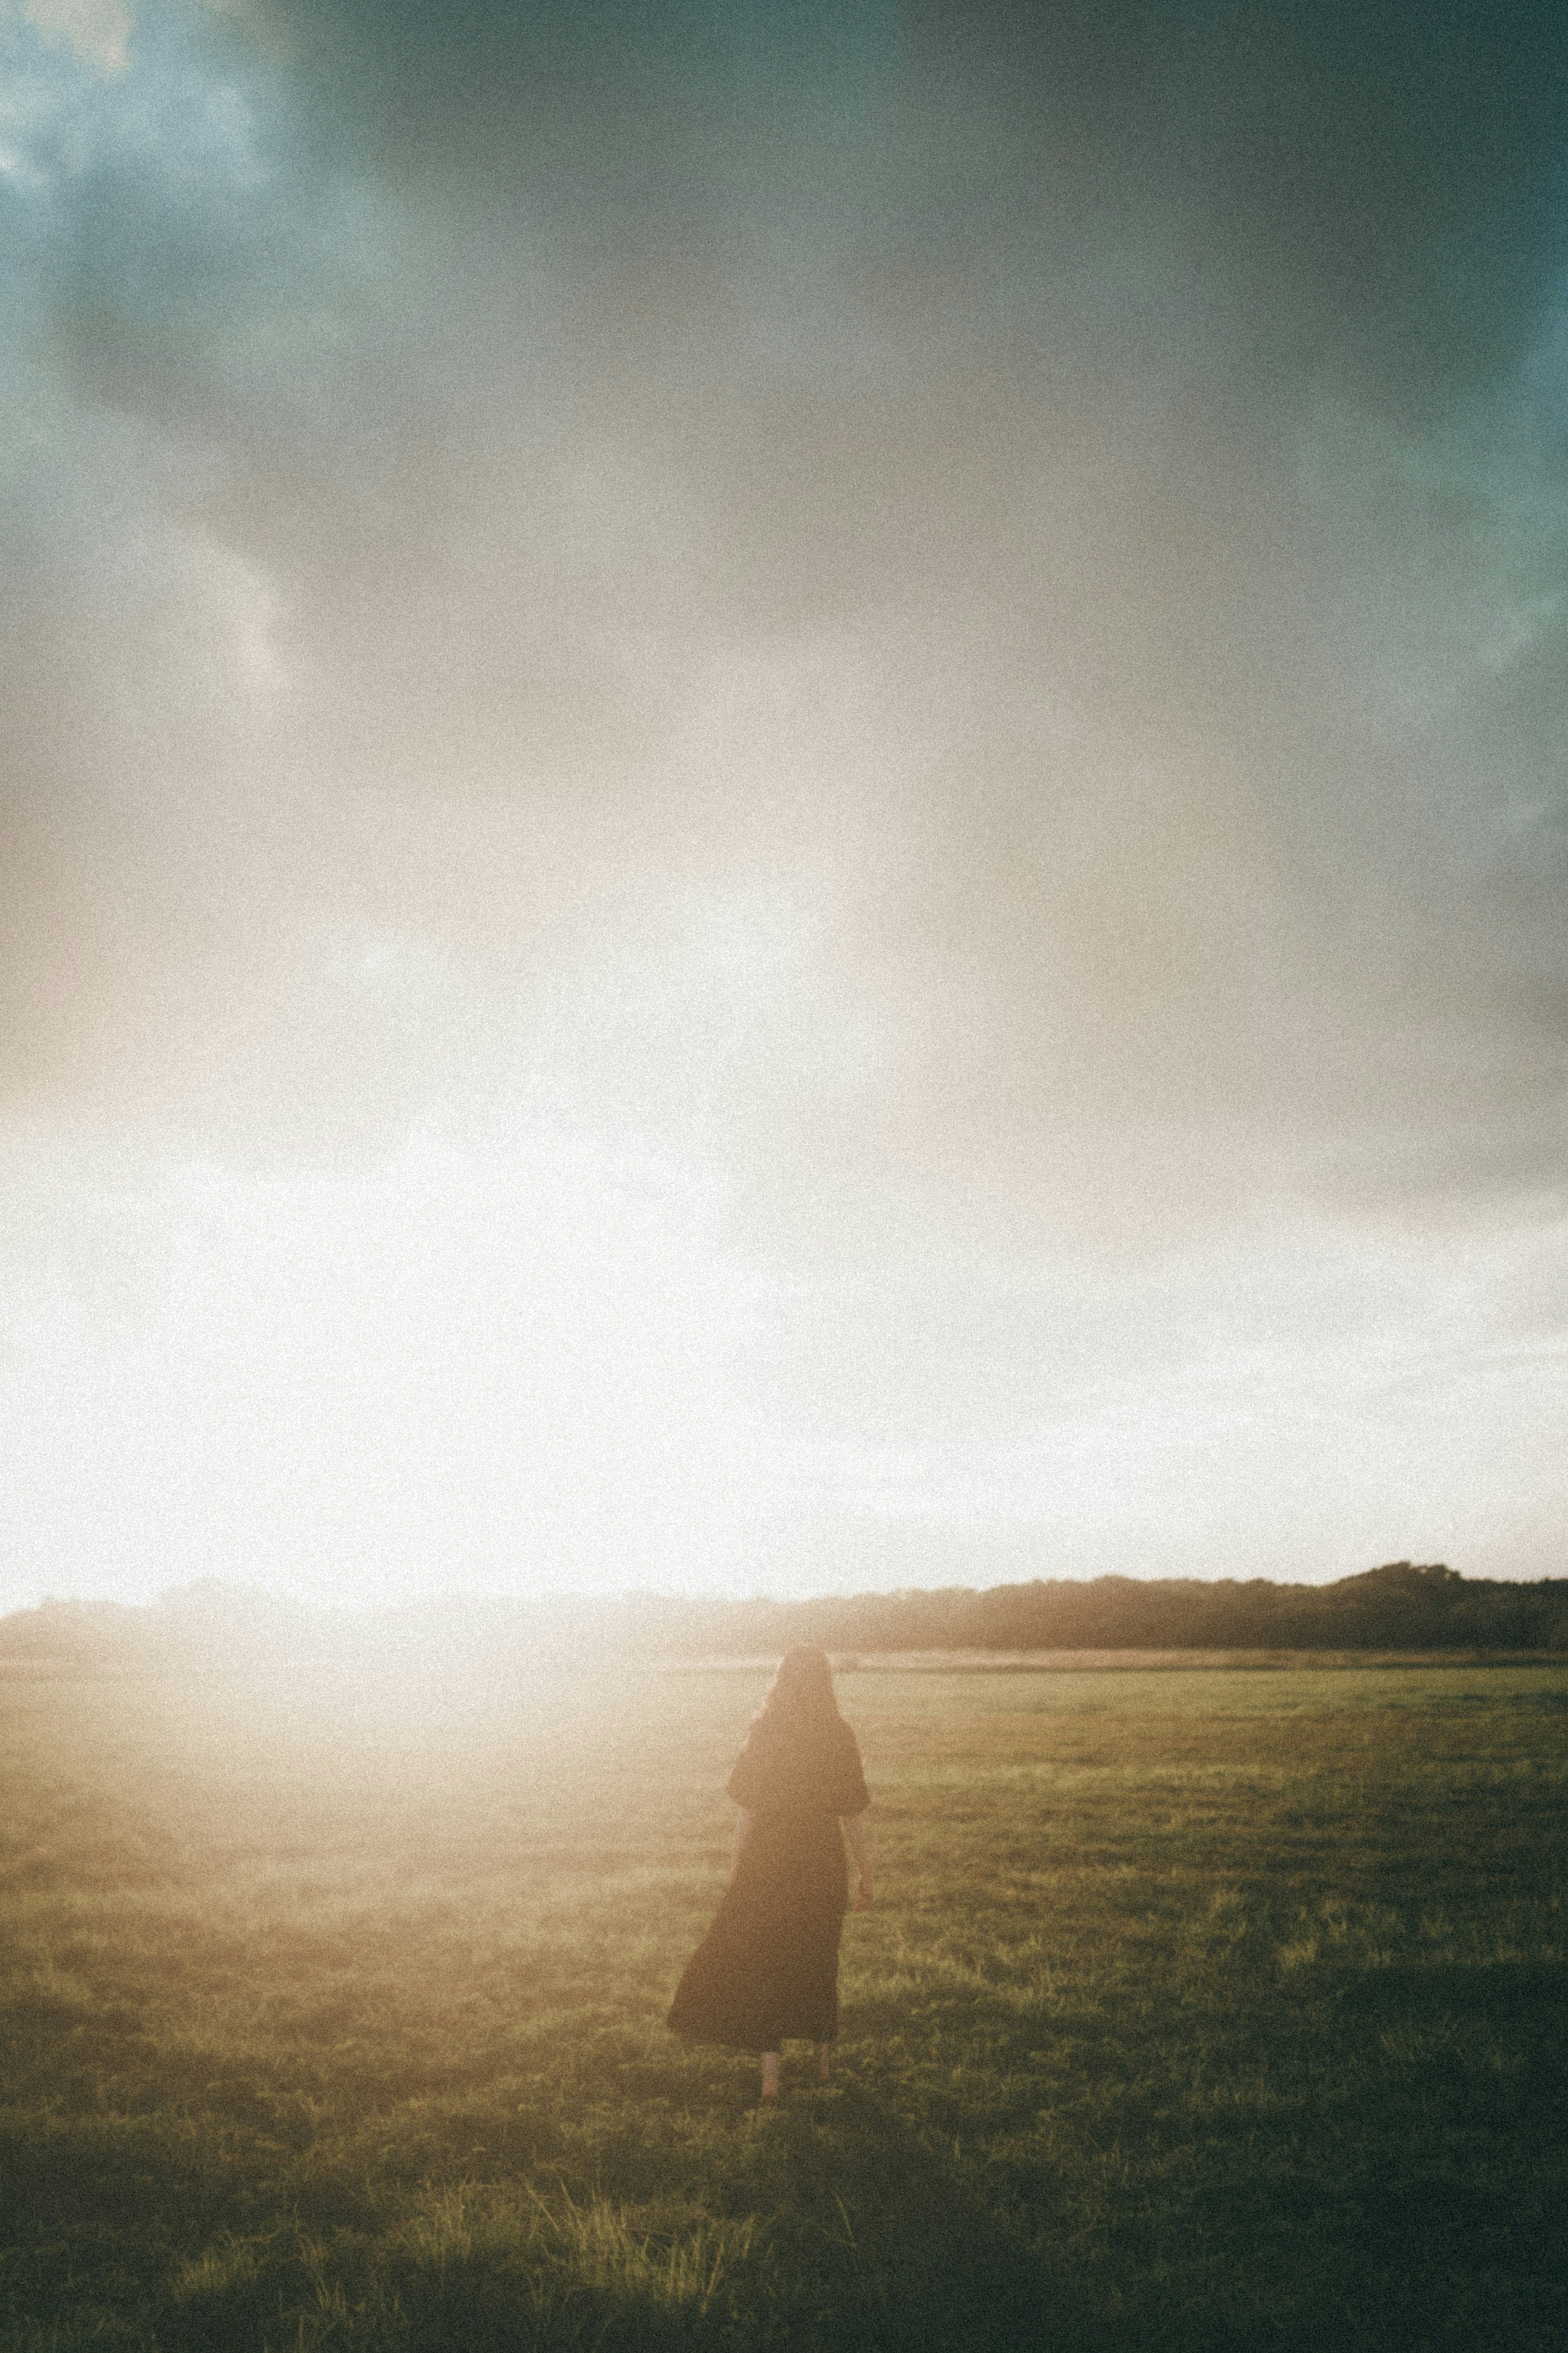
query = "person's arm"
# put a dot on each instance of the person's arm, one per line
(742, 1832)
(854, 1831)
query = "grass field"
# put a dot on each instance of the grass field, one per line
(1200, 2009)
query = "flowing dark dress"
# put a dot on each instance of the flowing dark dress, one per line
(768, 1967)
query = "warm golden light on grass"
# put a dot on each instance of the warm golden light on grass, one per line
(334, 2016)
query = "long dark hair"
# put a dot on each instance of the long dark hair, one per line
(800, 1697)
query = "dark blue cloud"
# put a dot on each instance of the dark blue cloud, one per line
(1144, 421)
(1405, 162)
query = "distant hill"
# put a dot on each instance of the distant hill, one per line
(1402, 1606)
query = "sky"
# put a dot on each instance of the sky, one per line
(784, 803)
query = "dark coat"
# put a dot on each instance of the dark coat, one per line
(768, 1967)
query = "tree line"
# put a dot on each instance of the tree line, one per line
(1402, 1606)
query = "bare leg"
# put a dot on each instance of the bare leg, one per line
(769, 2075)
(823, 2059)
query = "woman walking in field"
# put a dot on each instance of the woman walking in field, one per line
(768, 1967)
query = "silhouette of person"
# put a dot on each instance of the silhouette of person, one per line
(767, 1970)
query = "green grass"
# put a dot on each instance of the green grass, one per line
(1196, 2010)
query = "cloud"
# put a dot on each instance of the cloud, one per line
(98, 31)
(953, 620)
(1017, 525)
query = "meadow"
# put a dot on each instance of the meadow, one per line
(1197, 2009)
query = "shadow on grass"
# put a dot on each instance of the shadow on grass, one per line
(1402, 2222)
(1456, 2247)
(1513, 1997)
(887, 2244)
(829, 2227)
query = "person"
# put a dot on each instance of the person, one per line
(767, 1970)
